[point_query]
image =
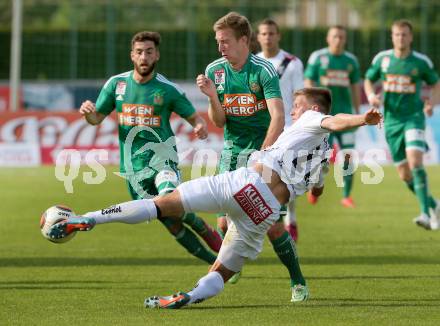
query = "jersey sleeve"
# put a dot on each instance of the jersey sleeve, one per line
(429, 74)
(373, 72)
(105, 103)
(181, 105)
(270, 83)
(310, 121)
(312, 69)
(355, 74)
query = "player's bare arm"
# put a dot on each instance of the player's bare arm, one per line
(276, 111)
(356, 96)
(199, 125)
(88, 110)
(373, 98)
(342, 121)
(215, 111)
(308, 83)
(432, 100)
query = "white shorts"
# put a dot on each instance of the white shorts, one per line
(244, 196)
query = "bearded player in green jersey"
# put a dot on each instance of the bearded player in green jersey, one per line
(402, 72)
(245, 99)
(338, 70)
(144, 101)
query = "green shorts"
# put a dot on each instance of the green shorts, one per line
(344, 139)
(160, 183)
(405, 135)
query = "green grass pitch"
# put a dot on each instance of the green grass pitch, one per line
(367, 266)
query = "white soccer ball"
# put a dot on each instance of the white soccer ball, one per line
(52, 216)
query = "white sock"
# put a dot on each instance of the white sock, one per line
(131, 212)
(290, 217)
(207, 287)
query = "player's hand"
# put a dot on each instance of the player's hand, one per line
(206, 86)
(87, 107)
(201, 129)
(374, 100)
(373, 117)
(428, 108)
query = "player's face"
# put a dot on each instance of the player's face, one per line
(301, 105)
(268, 37)
(336, 39)
(401, 37)
(144, 56)
(231, 48)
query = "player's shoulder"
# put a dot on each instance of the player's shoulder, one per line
(262, 65)
(351, 56)
(216, 64)
(315, 55)
(381, 55)
(294, 60)
(117, 78)
(424, 58)
(167, 84)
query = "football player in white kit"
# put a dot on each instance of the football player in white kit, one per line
(251, 196)
(290, 70)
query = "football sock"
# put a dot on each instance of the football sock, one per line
(131, 212)
(195, 222)
(421, 188)
(348, 181)
(207, 287)
(193, 245)
(284, 247)
(432, 202)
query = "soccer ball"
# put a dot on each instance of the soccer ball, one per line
(52, 216)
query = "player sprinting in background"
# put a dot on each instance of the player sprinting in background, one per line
(252, 197)
(245, 99)
(144, 101)
(290, 72)
(402, 72)
(338, 70)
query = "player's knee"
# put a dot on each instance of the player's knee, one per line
(222, 224)
(276, 231)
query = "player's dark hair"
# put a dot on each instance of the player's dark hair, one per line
(403, 23)
(238, 23)
(270, 22)
(340, 27)
(320, 96)
(146, 36)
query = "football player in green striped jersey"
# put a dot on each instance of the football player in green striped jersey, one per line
(245, 99)
(144, 101)
(338, 70)
(402, 71)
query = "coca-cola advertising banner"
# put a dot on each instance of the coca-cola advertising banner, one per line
(34, 138)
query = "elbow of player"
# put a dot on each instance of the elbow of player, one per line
(219, 123)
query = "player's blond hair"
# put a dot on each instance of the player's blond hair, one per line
(238, 23)
(320, 96)
(403, 23)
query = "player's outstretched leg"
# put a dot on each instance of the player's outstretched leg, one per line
(64, 228)
(347, 201)
(175, 301)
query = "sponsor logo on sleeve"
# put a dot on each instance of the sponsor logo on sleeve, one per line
(253, 204)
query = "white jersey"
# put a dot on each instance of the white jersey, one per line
(300, 153)
(291, 80)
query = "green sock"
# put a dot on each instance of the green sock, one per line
(190, 242)
(348, 181)
(421, 188)
(195, 222)
(284, 247)
(431, 201)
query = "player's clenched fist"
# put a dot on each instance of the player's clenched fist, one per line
(206, 86)
(87, 107)
(373, 116)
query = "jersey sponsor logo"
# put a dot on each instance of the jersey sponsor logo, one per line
(219, 76)
(138, 115)
(253, 204)
(242, 104)
(120, 88)
(398, 84)
(385, 64)
(158, 99)
(335, 78)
